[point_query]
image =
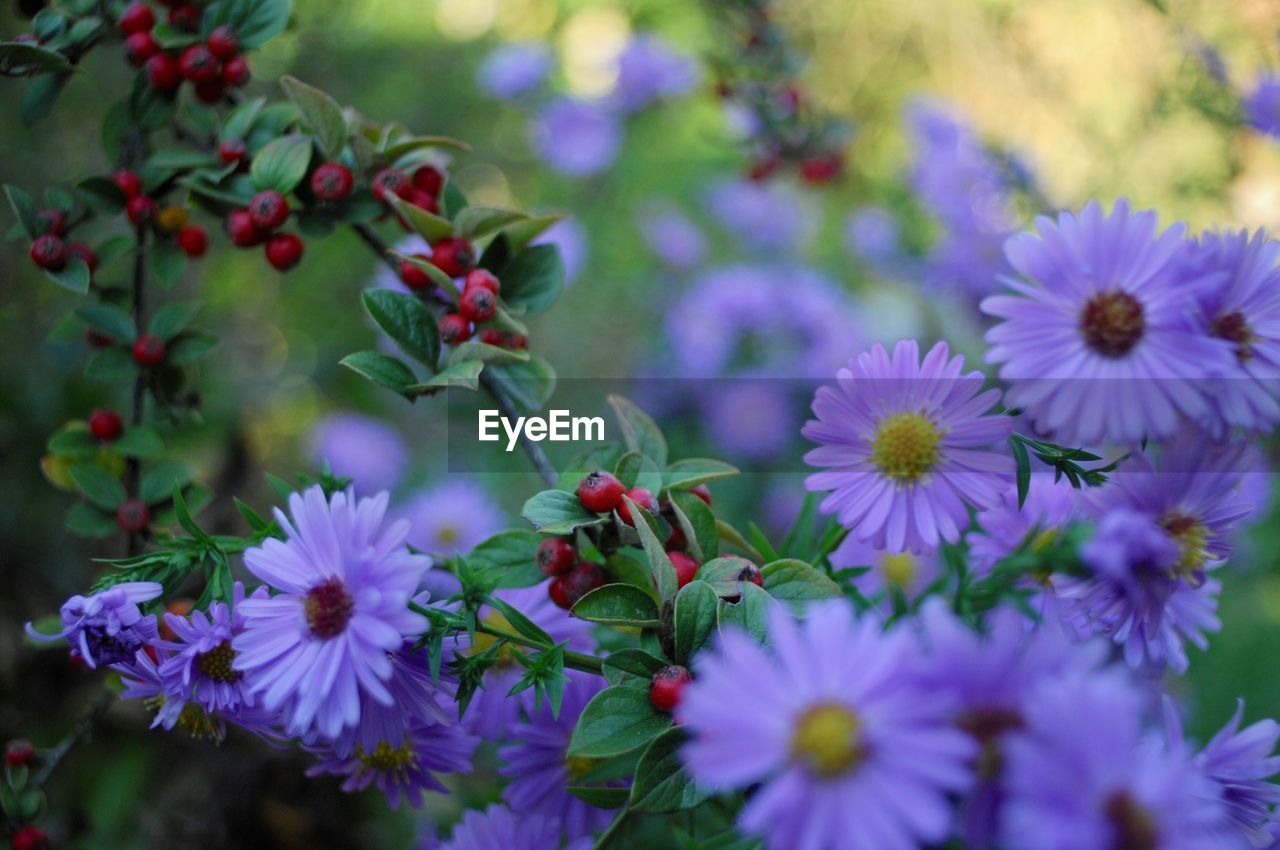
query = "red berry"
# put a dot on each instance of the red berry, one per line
(48, 252)
(643, 499)
(233, 150)
(685, 566)
(675, 540)
(211, 91)
(235, 71)
(284, 251)
(413, 276)
(268, 210)
(429, 179)
(332, 182)
(137, 17)
(149, 350)
(600, 491)
(750, 572)
(453, 256)
(129, 182)
(821, 169)
(223, 42)
(517, 341)
(762, 168)
(52, 221)
(193, 240)
(163, 72)
(666, 686)
(185, 17)
(140, 209)
(422, 201)
(493, 336)
(243, 232)
(478, 304)
(558, 590)
(198, 64)
(81, 251)
(482, 278)
(554, 556)
(19, 752)
(565, 590)
(139, 47)
(389, 181)
(702, 492)
(105, 425)
(133, 515)
(29, 838)
(454, 329)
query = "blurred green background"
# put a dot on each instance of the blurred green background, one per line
(1103, 97)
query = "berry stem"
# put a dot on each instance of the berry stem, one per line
(53, 756)
(576, 660)
(132, 469)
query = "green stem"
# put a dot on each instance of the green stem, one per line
(576, 660)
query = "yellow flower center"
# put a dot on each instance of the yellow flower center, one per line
(827, 739)
(388, 759)
(899, 570)
(448, 534)
(197, 722)
(1192, 537)
(905, 447)
(216, 663)
(1112, 323)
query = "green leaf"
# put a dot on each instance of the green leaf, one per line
(180, 159)
(160, 481)
(660, 568)
(255, 21)
(111, 364)
(108, 318)
(529, 384)
(616, 721)
(521, 233)
(695, 619)
(636, 470)
(98, 485)
(102, 195)
(73, 440)
(618, 605)
(141, 441)
(429, 226)
(633, 667)
(507, 559)
(24, 209)
(406, 320)
(320, 113)
(39, 98)
(533, 279)
(600, 796)
(690, 472)
(520, 622)
(661, 783)
(240, 120)
(22, 57)
(282, 164)
(640, 433)
(189, 347)
(485, 353)
(464, 375)
(751, 612)
(172, 319)
(73, 276)
(722, 575)
(170, 38)
(1023, 468)
(393, 152)
(558, 512)
(438, 277)
(166, 263)
(795, 581)
(84, 520)
(479, 221)
(695, 519)
(452, 199)
(384, 370)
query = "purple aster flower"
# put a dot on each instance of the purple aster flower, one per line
(1082, 775)
(539, 770)
(492, 714)
(909, 574)
(1102, 345)
(140, 676)
(498, 828)
(874, 236)
(570, 237)
(762, 217)
(344, 584)
(368, 451)
(904, 445)
(201, 667)
(1262, 106)
(516, 69)
(1244, 310)
(1238, 763)
(107, 627)
(649, 69)
(851, 753)
(576, 137)
(403, 771)
(673, 237)
(1004, 528)
(450, 517)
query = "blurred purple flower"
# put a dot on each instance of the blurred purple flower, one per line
(649, 69)
(571, 238)
(576, 137)
(762, 217)
(1005, 527)
(450, 517)
(910, 574)
(515, 69)
(673, 237)
(872, 234)
(1262, 106)
(367, 450)
(498, 828)
(107, 627)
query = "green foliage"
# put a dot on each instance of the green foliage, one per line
(617, 720)
(558, 512)
(618, 605)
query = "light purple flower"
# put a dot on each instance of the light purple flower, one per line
(1101, 343)
(107, 627)
(1262, 106)
(672, 237)
(873, 235)
(450, 517)
(570, 237)
(1004, 528)
(368, 451)
(343, 586)
(649, 69)
(576, 137)
(904, 572)
(498, 828)
(849, 752)
(1083, 775)
(763, 217)
(536, 764)
(516, 69)
(905, 447)
(201, 666)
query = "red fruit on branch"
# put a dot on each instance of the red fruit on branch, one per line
(423, 201)
(702, 492)
(48, 252)
(233, 150)
(332, 182)
(19, 752)
(137, 17)
(29, 838)
(133, 515)
(284, 251)
(565, 590)
(139, 47)
(163, 72)
(555, 556)
(198, 64)
(483, 279)
(243, 232)
(478, 304)
(413, 276)
(388, 182)
(453, 256)
(667, 685)
(149, 350)
(105, 425)
(235, 71)
(454, 329)
(600, 491)
(81, 251)
(185, 17)
(140, 209)
(52, 221)
(193, 240)
(643, 498)
(223, 42)
(268, 210)
(686, 567)
(429, 179)
(128, 182)
(821, 169)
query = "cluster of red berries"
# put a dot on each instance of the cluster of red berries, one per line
(253, 225)
(211, 66)
(422, 189)
(143, 210)
(571, 579)
(49, 250)
(20, 753)
(29, 838)
(601, 492)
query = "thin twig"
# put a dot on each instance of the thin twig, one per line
(576, 660)
(78, 732)
(132, 469)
